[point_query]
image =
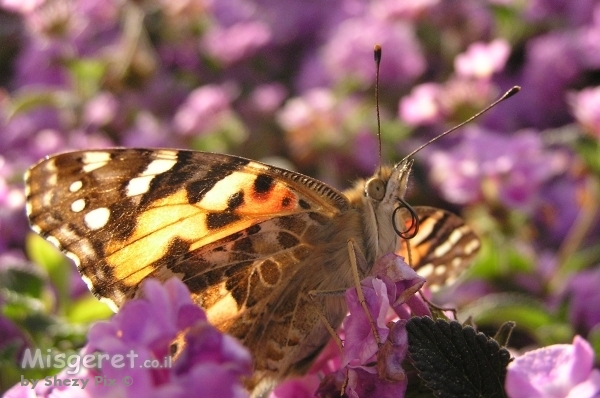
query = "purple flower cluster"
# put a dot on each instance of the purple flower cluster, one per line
(487, 166)
(211, 364)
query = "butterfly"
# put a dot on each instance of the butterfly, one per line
(250, 240)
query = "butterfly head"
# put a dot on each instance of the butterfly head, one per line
(382, 198)
(389, 184)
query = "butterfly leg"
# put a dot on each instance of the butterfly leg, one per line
(313, 294)
(352, 252)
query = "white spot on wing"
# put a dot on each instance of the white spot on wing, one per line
(94, 160)
(440, 270)
(213, 200)
(86, 249)
(141, 184)
(50, 165)
(111, 304)
(78, 205)
(53, 240)
(138, 185)
(445, 247)
(74, 258)
(167, 153)
(159, 166)
(224, 309)
(75, 186)
(97, 218)
(471, 246)
(425, 270)
(46, 199)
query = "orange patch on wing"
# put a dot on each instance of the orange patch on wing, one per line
(278, 199)
(417, 252)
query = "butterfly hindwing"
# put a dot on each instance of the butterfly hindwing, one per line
(443, 247)
(125, 214)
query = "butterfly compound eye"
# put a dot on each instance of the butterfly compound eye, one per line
(375, 188)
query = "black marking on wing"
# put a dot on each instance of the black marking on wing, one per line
(263, 183)
(220, 220)
(304, 204)
(253, 229)
(243, 245)
(287, 240)
(235, 200)
(440, 229)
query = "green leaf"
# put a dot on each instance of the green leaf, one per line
(87, 310)
(528, 313)
(493, 262)
(58, 267)
(87, 75)
(228, 132)
(456, 361)
(594, 338)
(29, 99)
(23, 281)
(503, 334)
(589, 149)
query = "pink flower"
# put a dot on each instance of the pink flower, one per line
(239, 41)
(101, 109)
(422, 106)
(23, 7)
(557, 371)
(482, 60)
(585, 106)
(584, 306)
(266, 98)
(202, 110)
(375, 370)
(402, 10)
(491, 166)
(348, 55)
(211, 364)
(371, 370)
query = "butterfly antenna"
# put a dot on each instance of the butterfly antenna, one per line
(506, 95)
(377, 54)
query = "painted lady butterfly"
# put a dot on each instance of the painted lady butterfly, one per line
(250, 240)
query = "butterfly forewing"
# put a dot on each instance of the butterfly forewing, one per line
(122, 214)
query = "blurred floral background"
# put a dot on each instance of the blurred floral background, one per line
(292, 83)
